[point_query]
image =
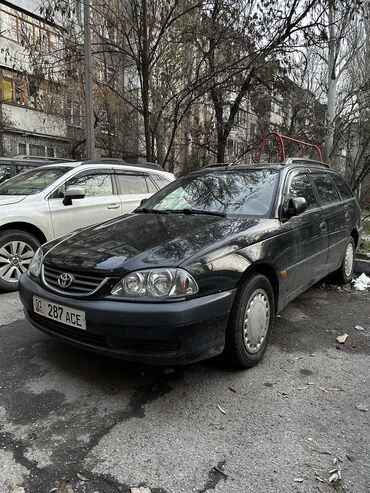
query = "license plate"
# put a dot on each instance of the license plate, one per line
(60, 313)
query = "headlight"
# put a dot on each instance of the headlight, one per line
(35, 266)
(156, 283)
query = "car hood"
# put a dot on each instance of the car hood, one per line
(139, 241)
(11, 199)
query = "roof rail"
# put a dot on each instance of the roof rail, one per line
(282, 138)
(303, 161)
(110, 160)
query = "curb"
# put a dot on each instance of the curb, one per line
(362, 265)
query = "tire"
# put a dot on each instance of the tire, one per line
(16, 251)
(244, 351)
(345, 272)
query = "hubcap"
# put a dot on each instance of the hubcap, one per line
(256, 320)
(348, 260)
(15, 257)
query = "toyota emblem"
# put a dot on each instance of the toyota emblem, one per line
(65, 280)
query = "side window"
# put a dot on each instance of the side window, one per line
(131, 184)
(151, 187)
(326, 190)
(94, 184)
(300, 186)
(342, 186)
(160, 180)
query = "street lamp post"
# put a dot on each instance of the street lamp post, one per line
(89, 108)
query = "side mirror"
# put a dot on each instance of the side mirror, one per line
(296, 206)
(73, 193)
(142, 201)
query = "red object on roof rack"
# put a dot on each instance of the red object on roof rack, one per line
(281, 138)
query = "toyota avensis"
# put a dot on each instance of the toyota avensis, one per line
(201, 268)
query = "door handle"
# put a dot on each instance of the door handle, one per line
(323, 226)
(113, 206)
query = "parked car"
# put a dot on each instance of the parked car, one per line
(49, 201)
(11, 166)
(201, 268)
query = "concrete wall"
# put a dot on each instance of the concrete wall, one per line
(32, 121)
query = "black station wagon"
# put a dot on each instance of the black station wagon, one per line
(201, 268)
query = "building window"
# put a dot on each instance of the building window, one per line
(37, 150)
(22, 149)
(50, 151)
(252, 131)
(23, 28)
(241, 118)
(8, 90)
(75, 113)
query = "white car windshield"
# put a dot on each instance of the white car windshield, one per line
(31, 182)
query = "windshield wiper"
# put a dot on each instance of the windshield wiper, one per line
(195, 211)
(151, 211)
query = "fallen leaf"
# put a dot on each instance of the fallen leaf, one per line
(321, 451)
(298, 480)
(217, 469)
(342, 339)
(363, 408)
(330, 389)
(220, 408)
(141, 489)
(335, 473)
(81, 477)
(302, 388)
(359, 327)
(17, 489)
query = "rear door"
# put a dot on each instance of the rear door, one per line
(305, 240)
(133, 187)
(334, 215)
(101, 202)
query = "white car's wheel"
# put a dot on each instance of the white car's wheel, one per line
(16, 251)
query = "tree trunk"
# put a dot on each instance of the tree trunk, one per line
(221, 145)
(332, 85)
(145, 74)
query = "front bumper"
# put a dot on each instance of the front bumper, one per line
(170, 333)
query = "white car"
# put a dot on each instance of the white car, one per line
(50, 201)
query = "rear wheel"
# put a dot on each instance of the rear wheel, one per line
(251, 321)
(16, 251)
(345, 272)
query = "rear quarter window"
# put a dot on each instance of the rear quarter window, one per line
(342, 186)
(159, 180)
(326, 190)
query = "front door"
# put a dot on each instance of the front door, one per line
(100, 203)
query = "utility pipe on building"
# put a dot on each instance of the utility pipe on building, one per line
(89, 108)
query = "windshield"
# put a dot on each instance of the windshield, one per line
(246, 192)
(31, 182)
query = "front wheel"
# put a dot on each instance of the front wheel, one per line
(251, 321)
(16, 251)
(345, 272)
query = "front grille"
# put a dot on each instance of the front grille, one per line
(82, 284)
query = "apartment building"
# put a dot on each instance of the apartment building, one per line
(32, 111)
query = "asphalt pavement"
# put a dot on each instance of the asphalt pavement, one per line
(71, 421)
